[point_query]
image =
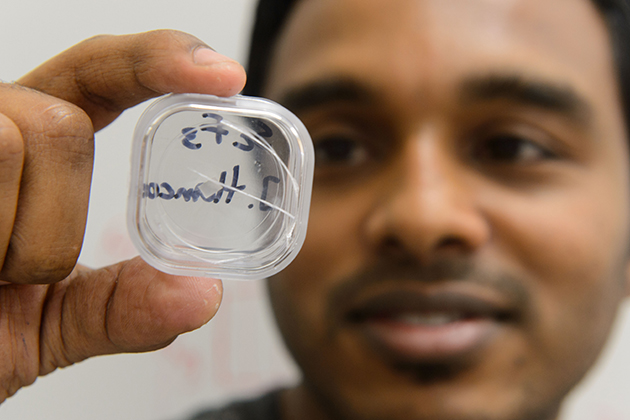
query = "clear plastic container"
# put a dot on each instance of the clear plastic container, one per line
(220, 187)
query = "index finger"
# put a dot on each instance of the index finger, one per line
(106, 74)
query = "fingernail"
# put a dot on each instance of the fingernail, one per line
(204, 56)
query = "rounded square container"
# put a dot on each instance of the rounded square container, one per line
(220, 187)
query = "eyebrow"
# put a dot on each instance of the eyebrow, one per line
(326, 91)
(545, 95)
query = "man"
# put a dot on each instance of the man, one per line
(469, 237)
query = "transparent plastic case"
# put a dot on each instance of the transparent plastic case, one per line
(220, 187)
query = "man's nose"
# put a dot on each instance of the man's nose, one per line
(427, 208)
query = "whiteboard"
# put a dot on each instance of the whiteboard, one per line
(238, 353)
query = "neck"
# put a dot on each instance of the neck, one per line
(298, 404)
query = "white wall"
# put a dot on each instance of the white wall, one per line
(238, 352)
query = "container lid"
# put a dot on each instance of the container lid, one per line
(220, 187)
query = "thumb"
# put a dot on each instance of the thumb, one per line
(106, 74)
(128, 307)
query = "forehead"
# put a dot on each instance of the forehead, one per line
(416, 47)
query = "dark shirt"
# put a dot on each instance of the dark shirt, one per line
(266, 407)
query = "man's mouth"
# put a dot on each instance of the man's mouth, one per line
(416, 326)
(428, 319)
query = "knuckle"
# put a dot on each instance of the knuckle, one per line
(28, 264)
(66, 120)
(48, 273)
(68, 128)
(46, 269)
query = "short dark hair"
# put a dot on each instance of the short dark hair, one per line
(616, 13)
(271, 16)
(268, 22)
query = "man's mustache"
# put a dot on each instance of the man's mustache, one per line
(444, 270)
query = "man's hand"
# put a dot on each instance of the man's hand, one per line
(50, 315)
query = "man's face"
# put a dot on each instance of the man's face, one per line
(468, 238)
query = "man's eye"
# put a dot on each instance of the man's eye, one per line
(507, 148)
(338, 151)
